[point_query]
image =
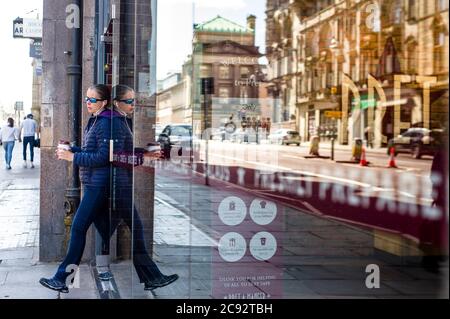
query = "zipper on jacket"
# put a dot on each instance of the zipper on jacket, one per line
(111, 151)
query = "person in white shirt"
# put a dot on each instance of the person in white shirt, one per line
(29, 129)
(8, 135)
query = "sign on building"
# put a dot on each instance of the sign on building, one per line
(27, 28)
(18, 106)
(18, 28)
(36, 49)
(38, 67)
(333, 114)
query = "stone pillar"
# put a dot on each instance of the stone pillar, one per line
(87, 79)
(55, 125)
(56, 121)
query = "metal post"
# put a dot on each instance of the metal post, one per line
(205, 96)
(207, 88)
(102, 250)
(74, 72)
(332, 149)
(257, 139)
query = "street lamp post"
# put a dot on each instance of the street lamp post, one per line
(333, 138)
(207, 88)
(257, 132)
(18, 106)
(332, 148)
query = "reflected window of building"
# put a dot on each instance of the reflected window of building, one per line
(352, 27)
(300, 52)
(205, 70)
(224, 72)
(412, 9)
(286, 97)
(245, 72)
(428, 7)
(354, 74)
(389, 63)
(397, 14)
(309, 81)
(364, 65)
(316, 80)
(442, 5)
(244, 94)
(439, 50)
(411, 58)
(224, 94)
(287, 28)
(299, 85)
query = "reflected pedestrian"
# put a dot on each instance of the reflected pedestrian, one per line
(245, 123)
(264, 127)
(122, 184)
(258, 129)
(8, 136)
(253, 123)
(229, 128)
(268, 125)
(29, 130)
(93, 160)
(368, 136)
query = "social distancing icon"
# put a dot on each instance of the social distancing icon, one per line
(232, 211)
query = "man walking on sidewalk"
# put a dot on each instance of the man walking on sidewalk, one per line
(29, 129)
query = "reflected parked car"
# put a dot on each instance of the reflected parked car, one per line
(175, 136)
(416, 141)
(218, 134)
(285, 137)
(243, 136)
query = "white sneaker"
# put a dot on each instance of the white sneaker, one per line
(25, 164)
(32, 165)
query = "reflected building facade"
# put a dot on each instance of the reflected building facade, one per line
(379, 63)
(224, 51)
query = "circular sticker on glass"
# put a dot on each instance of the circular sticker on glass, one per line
(263, 212)
(232, 211)
(263, 246)
(232, 247)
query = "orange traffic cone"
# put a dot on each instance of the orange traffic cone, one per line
(363, 161)
(392, 159)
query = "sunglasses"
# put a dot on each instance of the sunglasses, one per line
(93, 100)
(128, 101)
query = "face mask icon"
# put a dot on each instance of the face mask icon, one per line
(263, 204)
(232, 206)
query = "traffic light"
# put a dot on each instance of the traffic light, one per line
(207, 86)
